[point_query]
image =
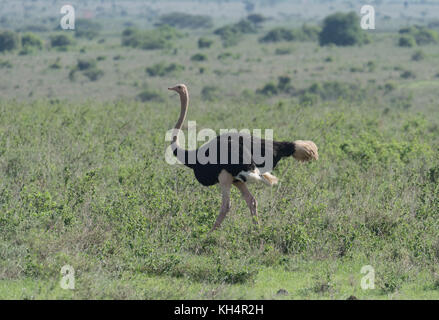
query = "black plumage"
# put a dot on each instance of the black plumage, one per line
(207, 173)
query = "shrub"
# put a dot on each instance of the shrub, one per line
(342, 29)
(162, 69)
(149, 95)
(418, 55)
(29, 40)
(282, 51)
(185, 20)
(406, 41)
(94, 74)
(256, 18)
(333, 90)
(408, 74)
(204, 43)
(5, 64)
(60, 40)
(310, 33)
(9, 40)
(389, 86)
(279, 34)
(86, 28)
(269, 89)
(33, 28)
(329, 59)
(371, 66)
(226, 55)
(245, 26)
(56, 64)
(199, 57)
(85, 64)
(305, 33)
(210, 93)
(159, 38)
(420, 34)
(283, 85)
(230, 34)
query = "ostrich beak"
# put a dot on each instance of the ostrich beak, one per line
(173, 89)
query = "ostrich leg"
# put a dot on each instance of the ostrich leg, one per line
(225, 180)
(251, 201)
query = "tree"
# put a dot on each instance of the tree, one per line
(342, 29)
(60, 40)
(86, 28)
(9, 40)
(29, 40)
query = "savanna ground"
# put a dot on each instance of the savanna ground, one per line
(84, 181)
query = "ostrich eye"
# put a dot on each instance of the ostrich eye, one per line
(179, 87)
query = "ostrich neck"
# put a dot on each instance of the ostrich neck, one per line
(184, 99)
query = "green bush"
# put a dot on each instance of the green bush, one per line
(342, 29)
(94, 74)
(305, 33)
(9, 41)
(279, 34)
(408, 75)
(283, 85)
(256, 18)
(60, 40)
(86, 28)
(418, 55)
(270, 89)
(185, 20)
(56, 64)
(226, 55)
(421, 35)
(162, 69)
(406, 41)
(5, 64)
(310, 32)
(204, 43)
(210, 93)
(334, 90)
(29, 40)
(85, 64)
(231, 34)
(149, 95)
(199, 57)
(283, 51)
(159, 38)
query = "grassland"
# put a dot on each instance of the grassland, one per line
(84, 181)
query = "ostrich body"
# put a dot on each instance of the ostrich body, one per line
(244, 169)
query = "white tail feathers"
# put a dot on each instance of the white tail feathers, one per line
(256, 176)
(305, 151)
(272, 180)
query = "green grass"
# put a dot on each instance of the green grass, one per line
(84, 181)
(87, 185)
(302, 282)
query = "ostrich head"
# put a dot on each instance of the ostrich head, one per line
(305, 151)
(181, 89)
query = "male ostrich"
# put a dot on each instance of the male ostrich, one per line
(240, 172)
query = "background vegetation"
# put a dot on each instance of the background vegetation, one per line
(84, 181)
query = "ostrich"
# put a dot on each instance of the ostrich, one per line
(240, 173)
